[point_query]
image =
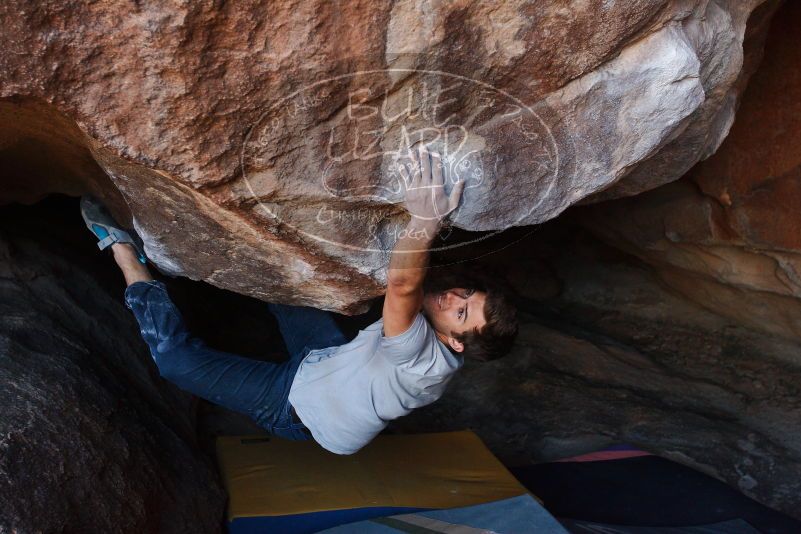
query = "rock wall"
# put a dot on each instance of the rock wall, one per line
(681, 333)
(728, 235)
(256, 144)
(607, 354)
(91, 439)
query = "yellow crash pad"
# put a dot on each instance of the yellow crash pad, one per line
(267, 476)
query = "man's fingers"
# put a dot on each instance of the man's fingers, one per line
(416, 167)
(404, 172)
(415, 158)
(425, 165)
(436, 169)
(416, 174)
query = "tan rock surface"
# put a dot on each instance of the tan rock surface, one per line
(255, 143)
(729, 234)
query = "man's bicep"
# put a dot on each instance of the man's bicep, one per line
(401, 306)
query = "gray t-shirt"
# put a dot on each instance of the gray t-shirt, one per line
(346, 395)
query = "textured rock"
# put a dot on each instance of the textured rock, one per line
(255, 143)
(617, 358)
(91, 439)
(729, 234)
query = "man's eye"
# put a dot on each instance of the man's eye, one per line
(461, 311)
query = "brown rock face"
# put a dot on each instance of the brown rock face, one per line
(729, 234)
(255, 144)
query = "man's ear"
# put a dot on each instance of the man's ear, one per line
(455, 344)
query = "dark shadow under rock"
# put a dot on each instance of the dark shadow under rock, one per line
(91, 439)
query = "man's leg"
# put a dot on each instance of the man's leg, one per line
(302, 328)
(129, 264)
(305, 329)
(256, 388)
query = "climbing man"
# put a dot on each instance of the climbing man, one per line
(339, 393)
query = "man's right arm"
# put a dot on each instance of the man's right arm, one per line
(428, 205)
(407, 270)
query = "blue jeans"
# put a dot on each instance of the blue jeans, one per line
(256, 388)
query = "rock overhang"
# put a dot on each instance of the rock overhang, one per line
(237, 140)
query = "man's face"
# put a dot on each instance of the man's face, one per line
(454, 311)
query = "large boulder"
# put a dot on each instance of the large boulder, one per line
(91, 438)
(256, 145)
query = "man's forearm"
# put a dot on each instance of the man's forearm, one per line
(409, 260)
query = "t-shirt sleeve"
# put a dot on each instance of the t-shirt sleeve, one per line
(408, 346)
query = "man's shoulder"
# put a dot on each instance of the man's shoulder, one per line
(419, 325)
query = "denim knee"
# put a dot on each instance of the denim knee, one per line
(168, 365)
(174, 358)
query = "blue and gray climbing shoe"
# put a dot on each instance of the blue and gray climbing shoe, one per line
(102, 224)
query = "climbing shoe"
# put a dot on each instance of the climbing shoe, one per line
(102, 224)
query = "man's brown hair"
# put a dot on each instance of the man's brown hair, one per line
(496, 337)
